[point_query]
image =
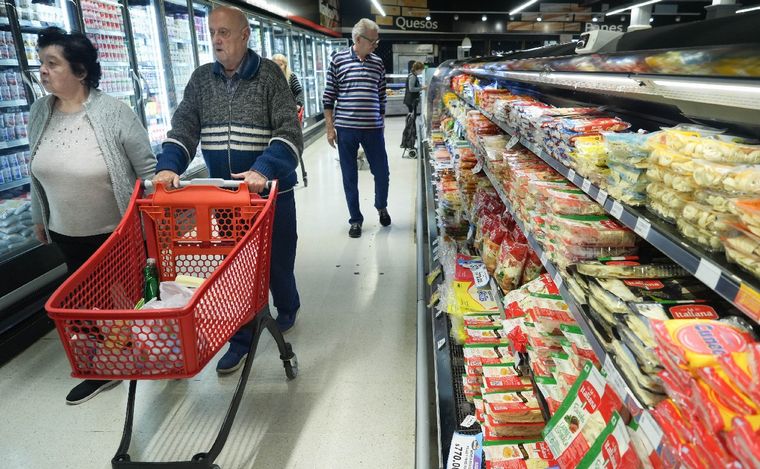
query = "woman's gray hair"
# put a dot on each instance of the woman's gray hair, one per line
(362, 27)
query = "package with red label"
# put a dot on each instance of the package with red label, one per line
(572, 202)
(533, 267)
(486, 335)
(518, 454)
(581, 418)
(693, 343)
(477, 319)
(579, 342)
(480, 415)
(510, 264)
(592, 230)
(612, 449)
(513, 429)
(476, 355)
(631, 267)
(743, 369)
(553, 392)
(717, 410)
(548, 312)
(744, 443)
(502, 377)
(513, 407)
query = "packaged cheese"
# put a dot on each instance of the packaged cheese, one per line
(513, 407)
(581, 418)
(592, 231)
(743, 370)
(612, 449)
(514, 430)
(503, 377)
(694, 343)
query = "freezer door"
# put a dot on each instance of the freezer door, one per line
(152, 70)
(255, 42)
(182, 60)
(202, 38)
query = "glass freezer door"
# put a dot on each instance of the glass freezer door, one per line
(151, 70)
(321, 71)
(266, 31)
(281, 41)
(104, 26)
(254, 42)
(200, 16)
(310, 80)
(180, 42)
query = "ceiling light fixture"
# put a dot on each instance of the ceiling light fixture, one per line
(651, 20)
(427, 18)
(456, 17)
(539, 19)
(377, 6)
(745, 10)
(631, 7)
(484, 18)
(523, 6)
(595, 19)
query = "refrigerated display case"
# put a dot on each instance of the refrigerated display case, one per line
(255, 41)
(104, 25)
(320, 71)
(180, 42)
(201, 11)
(281, 42)
(396, 90)
(309, 77)
(266, 34)
(151, 70)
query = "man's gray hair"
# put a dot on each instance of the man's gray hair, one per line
(363, 27)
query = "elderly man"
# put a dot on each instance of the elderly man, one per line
(241, 111)
(354, 102)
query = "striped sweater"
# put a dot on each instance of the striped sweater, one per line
(254, 128)
(295, 87)
(355, 90)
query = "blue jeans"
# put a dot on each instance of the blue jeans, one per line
(373, 142)
(282, 279)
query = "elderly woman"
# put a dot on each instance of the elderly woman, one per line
(88, 149)
(295, 85)
(413, 88)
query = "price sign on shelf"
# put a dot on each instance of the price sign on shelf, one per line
(617, 210)
(544, 258)
(613, 377)
(478, 167)
(441, 343)
(571, 175)
(642, 228)
(708, 273)
(512, 142)
(601, 197)
(586, 185)
(558, 280)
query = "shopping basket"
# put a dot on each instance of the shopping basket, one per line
(221, 235)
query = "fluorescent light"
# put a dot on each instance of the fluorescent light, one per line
(745, 10)
(378, 7)
(523, 6)
(595, 19)
(704, 86)
(631, 7)
(651, 20)
(427, 18)
(484, 18)
(539, 19)
(593, 78)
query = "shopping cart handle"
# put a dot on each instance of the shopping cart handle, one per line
(217, 182)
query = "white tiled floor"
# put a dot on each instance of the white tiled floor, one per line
(352, 405)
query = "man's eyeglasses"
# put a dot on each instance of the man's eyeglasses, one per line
(374, 42)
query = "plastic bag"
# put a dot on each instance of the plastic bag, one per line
(172, 294)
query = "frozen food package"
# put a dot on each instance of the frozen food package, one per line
(510, 264)
(572, 202)
(706, 239)
(721, 149)
(591, 230)
(582, 417)
(743, 179)
(662, 211)
(611, 449)
(611, 124)
(513, 407)
(516, 430)
(708, 220)
(504, 377)
(519, 454)
(696, 343)
(647, 389)
(631, 268)
(626, 147)
(749, 212)
(720, 201)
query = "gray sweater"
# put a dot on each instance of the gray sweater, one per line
(121, 137)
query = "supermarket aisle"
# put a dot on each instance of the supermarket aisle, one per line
(352, 404)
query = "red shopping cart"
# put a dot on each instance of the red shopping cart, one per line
(304, 176)
(221, 235)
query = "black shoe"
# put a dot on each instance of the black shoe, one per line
(385, 219)
(88, 389)
(286, 321)
(230, 362)
(355, 231)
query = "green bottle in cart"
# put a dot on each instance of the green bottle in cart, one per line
(150, 273)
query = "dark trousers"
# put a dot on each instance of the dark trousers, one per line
(373, 142)
(282, 279)
(77, 249)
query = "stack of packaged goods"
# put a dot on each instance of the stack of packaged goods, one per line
(451, 220)
(743, 242)
(712, 376)
(627, 160)
(16, 227)
(486, 98)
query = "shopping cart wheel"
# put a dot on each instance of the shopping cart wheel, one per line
(291, 363)
(412, 153)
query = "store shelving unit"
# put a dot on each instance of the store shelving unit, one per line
(726, 279)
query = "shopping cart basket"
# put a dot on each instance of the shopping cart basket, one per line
(204, 231)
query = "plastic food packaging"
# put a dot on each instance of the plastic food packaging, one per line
(711, 174)
(503, 377)
(708, 220)
(630, 268)
(612, 449)
(708, 240)
(647, 389)
(626, 147)
(744, 443)
(694, 343)
(513, 407)
(720, 201)
(528, 454)
(572, 202)
(612, 124)
(510, 264)
(581, 418)
(743, 179)
(593, 231)
(671, 160)
(749, 212)
(720, 150)
(662, 211)
(744, 370)
(667, 197)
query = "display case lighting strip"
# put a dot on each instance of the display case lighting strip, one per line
(745, 10)
(704, 86)
(377, 6)
(631, 7)
(522, 7)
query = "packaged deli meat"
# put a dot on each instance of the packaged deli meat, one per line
(611, 449)
(519, 454)
(581, 418)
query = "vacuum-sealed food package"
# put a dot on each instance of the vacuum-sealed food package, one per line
(510, 264)
(743, 179)
(612, 124)
(572, 202)
(720, 201)
(631, 268)
(668, 197)
(671, 160)
(749, 212)
(706, 219)
(513, 407)
(626, 147)
(581, 418)
(726, 149)
(647, 389)
(592, 230)
(708, 240)
(503, 377)
(613, 448)
(519, 454)
(695, 343)
(662, 211)
(681, 182)
(710, 174)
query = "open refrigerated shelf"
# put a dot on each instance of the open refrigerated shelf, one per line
(729, 281)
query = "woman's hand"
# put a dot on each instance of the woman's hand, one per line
(168, 178)
(256, 181)
(39, 233)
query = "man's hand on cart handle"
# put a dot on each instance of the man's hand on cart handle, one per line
(39, 233)
(256, 181)
(168, 178)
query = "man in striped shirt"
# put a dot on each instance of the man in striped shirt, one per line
(354, 102)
